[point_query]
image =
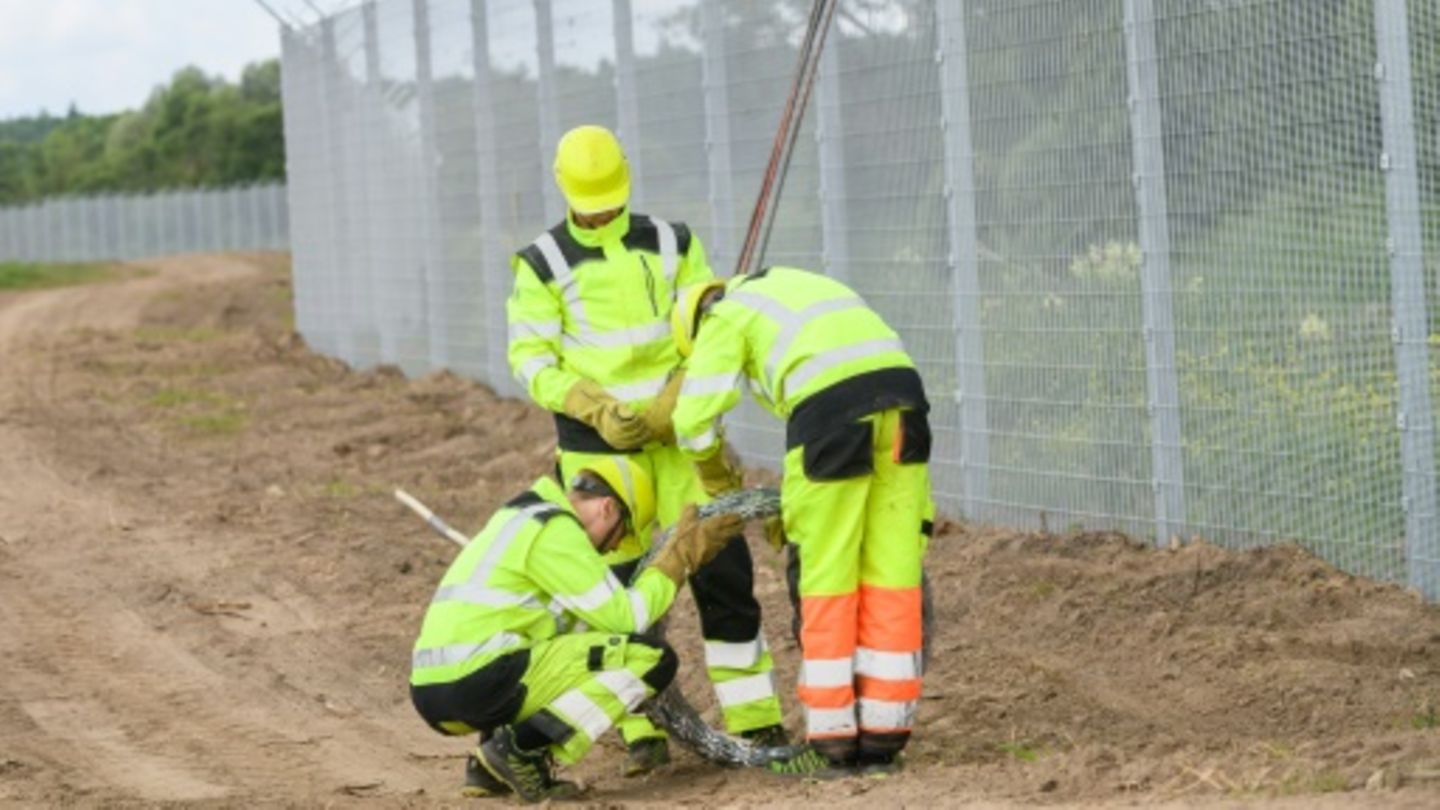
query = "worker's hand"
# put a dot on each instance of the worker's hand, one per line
(720, 473)
(695, 542)
(615, 421)
(658, 416)
(775, 532)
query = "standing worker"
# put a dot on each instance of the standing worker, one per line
(855, 497)
(590, 341)
(502, 651)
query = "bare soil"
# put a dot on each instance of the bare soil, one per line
(208, 597)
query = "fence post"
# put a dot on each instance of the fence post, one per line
(834, 218)
(549, 114)
(1162, 380)
(627, 100)
(494, 269)
(1410, 330)
(437, 299)
(717, 136)
(964, 258)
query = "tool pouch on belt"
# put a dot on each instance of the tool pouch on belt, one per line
(914, 442)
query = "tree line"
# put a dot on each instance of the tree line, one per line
(197, 130)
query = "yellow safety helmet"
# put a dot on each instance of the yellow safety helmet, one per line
(591, 171)
(685, 315)
(630, 483)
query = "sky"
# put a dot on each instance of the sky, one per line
(107, 55)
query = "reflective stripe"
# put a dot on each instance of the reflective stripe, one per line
(795, 322)
(640, 611)
(502, 541)
(624, 684)
(823, 673)
(745, 690)
(783, 317)
(886, 714)
(460, 653)
(545, 330)
(534, 366)
(564, 278)
(667, 248)
(711, 384)
(476, 594)
(830, 721)
(633, 336)
(583, 713)
(645, 389)
(700, 443)
(593, 598)
(825, 361)
(891, 666)
(734, 654)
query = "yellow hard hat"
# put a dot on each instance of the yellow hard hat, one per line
(591, 171)
(685, 315)
(630, 483)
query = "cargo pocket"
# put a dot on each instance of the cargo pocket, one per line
(840, 454)
(914, 437)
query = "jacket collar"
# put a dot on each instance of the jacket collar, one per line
(612, 231)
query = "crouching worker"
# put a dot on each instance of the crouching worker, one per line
(531, 642)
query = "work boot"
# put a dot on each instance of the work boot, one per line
(767, 736)
(810, 764)
(879, 766)
(529, 773)
(479, 783)
(644, 756)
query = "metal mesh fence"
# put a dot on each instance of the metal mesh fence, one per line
(1167, 266)
(135, 226)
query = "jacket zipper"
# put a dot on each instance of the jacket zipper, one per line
(650, 286)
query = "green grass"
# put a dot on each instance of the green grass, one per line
(1019, 751)
(23, 276)
(216, 424)
(205, 412)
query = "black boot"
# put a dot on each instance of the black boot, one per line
(529, 773)
(479, 783)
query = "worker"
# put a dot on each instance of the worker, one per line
(855, 493)
(590, 341)
(530, 640)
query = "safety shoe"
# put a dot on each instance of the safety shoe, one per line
(810, 764)
(480, 783)
(878, 766)
(529, 773)
(767, 736)
(644, 756)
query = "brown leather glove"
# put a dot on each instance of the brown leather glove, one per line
(694, 543)
(720, 473)
(616, 423)
(657, 418)
(775, 532)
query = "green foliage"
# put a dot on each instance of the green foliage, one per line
(197, 131)
(21, 276)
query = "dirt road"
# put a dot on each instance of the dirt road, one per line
(207, 597)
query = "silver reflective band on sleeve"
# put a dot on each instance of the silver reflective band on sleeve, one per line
(700, 443)
(502, 541)
(886, 714)
(710, 384)
(624, 685)
(633, 336)
(794, 323)
(521, 330)
(734, 654)
(591, 599)
(667, 248)
(534, 366)
(745, 690)
(582, 712)
(826, 673)
(892, 666)
(830, 721)
(630, 392)
(823, 362)
(564, 279)
(477, 594)
(460, 653)
(639, 611)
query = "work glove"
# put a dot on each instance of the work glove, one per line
(720, 473)
(775, 532)
(616, 423)
(658, 417)
(695, 543)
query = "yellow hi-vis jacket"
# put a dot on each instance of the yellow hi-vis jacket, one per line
(809, 349)
(530, 574)
(595, 303)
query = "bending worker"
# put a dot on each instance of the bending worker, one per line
(590, 341)
(505, 650)
(855, 497)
